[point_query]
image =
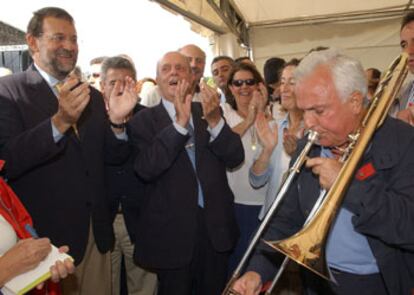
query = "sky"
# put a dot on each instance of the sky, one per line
(139, 28)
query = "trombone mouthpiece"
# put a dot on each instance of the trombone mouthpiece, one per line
(312, 135)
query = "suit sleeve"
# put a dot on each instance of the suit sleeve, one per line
(23, 149)
(384, 206)
(227, 146)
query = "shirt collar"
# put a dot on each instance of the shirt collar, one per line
(326, 152)
(169, 106)
(50, 80)
(284, 123)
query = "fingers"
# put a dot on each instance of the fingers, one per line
(264, 94)
(248, 284)
(210, 103)
(181, 90)
(182, 102)
(130, 84)
(209, 95)
(72, 102)
(61, 270)
(69, 84)
(312, 162)
(64, 249)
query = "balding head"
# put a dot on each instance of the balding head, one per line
(197, 59)
(171, 68)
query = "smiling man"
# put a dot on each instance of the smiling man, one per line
(221, 67)
(187, 225)
(55, 136)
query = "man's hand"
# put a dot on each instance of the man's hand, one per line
(249, 284)
(122, 101)
(326, 168)
(210, 102)
(72, 101)
(182, 103)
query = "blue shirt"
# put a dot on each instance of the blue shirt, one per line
(346, 249)
(190, 149)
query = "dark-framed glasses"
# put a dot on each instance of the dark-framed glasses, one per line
(239, 83)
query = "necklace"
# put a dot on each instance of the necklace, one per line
(253, 138)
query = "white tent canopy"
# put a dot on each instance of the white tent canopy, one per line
(367, 30)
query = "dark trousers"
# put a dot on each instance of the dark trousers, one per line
(248, 222)
(205, 275)
(347, 283)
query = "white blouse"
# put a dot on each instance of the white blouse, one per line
(238, 178)
(7, 234)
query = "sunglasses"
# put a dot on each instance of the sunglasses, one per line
(239, 83)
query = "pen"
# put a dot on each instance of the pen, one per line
(31, 231)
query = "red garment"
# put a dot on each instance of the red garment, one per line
(17, 216)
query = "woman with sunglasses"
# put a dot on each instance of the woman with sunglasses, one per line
(249, 97)
(278, 143)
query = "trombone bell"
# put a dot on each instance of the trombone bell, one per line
(303, 251)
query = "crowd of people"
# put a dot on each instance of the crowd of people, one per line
(171, 181)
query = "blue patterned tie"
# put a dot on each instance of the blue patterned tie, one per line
(190, 148)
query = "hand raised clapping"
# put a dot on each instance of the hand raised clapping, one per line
(210, 102)
(268, 135)
(122, 100)
(73, 97)
(182, 102)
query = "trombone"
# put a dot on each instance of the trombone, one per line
(295, 169)
(307, 247)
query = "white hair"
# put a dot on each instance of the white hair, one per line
(347, 73)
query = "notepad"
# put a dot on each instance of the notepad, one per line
(30, 279)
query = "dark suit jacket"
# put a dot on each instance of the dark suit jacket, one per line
(382, 204)
(126, 188)
(61, 184)
(167, 225)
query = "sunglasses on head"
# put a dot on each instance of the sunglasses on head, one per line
(239, 83)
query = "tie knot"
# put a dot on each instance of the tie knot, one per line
(58, 86)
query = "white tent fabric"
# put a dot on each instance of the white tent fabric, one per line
(375, 43)
(367, 30)
(267, 11)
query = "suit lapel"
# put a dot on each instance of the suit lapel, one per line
(39, 93)
(161, 117)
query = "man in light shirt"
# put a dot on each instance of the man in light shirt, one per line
(370, 245)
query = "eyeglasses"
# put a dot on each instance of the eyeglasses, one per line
(60, 38)
(239, 83)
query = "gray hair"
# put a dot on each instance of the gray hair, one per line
(347, 73)
(117, 62)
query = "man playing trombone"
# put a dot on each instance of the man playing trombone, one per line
(370, 245)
